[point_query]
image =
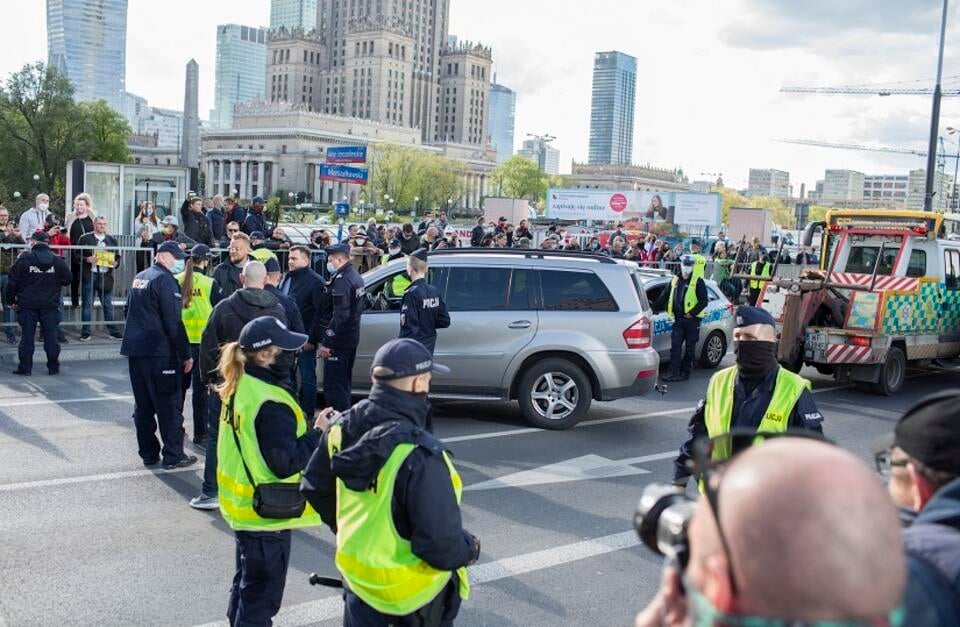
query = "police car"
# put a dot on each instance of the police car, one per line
(716, 327)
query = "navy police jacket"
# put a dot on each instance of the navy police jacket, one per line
(154, 325)
(337, 321)
(36, 279)
(422, 313)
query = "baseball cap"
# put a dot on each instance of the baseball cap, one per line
(256, 235)
(687, 260)
(40, 236)
(268, 331)
(272, 265)
(200, 251)
(502, 219)
(173, 248)
(257, 200)
(929, 432)
(747, 316)
(395, 243)
(404, 357)
(170, 220)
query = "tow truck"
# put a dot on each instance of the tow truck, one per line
(886, 295)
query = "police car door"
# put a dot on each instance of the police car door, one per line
(662, 325)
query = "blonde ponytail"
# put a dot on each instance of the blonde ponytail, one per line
(232, 361)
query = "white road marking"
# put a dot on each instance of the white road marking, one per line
(331, 608)
(585, 468)
(65, 401)
(46, 483)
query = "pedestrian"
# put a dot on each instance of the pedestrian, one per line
(522, 230)
(99, 263)
(805, 257)
(920, 461)
(476, 235)
(290, 310)
(11, 245)
(155, 343)
(373, 235)
(226, 322)
(255, 222)
(196, 226)
(170, 232)
(760, 269)
(685, 303)
(81, 223)
(423, 310)
(409, 242)
(232, 229)
(336, 329)
(722, 270)
(146, 226)
(426, 223)
(389, 491)
(35, 217)
(200, 295)
(429, 239)
(616, 247)
(233, 212)
(803, 535)
(33, 291)
(227, 273)
(264, 446)
(756, 393)
(305, 287)
(217, 218)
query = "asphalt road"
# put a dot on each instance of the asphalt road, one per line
(91, 538)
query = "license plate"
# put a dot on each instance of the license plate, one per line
(817, 341)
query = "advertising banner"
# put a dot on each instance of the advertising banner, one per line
(591, 204)
(641, 210)
(343, 174)
(691, 209)
(347, 154)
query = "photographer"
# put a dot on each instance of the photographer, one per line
(793, 531)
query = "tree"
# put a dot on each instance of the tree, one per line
(519, 178)
(413, 177)
(105, 133)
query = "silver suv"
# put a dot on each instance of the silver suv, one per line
(552, 330)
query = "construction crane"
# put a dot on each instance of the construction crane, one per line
(878, 89)
(811, 142)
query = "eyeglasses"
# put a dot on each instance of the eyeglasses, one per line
(885, 463)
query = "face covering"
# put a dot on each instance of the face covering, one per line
(331, 267)
(178, 266)
(394, 251)
(148, 212)
(686, 271)
(167, 230)
(756, 358)
(43, 206)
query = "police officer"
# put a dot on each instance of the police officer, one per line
(200, 294)
(388, 489)
(337, 326)
(685, 301)
(155, 341)
(423, 310)
(759, 268)
(33, 291)
(264, 444)
(397, 286)
(755, 393)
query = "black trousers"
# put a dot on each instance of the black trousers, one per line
(686, 331)
(337, 378)
(257, 590)
(200, 394)
(49, 321)
(438, 613)
(754, 297)
(156, 393)
(76, 268)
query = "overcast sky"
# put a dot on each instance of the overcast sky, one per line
(708, 72)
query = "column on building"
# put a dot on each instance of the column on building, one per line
(261, 176)
(208, 187)
(221, 189)
(476, 195)
(243, 179)
(274, 177)
(483, 188)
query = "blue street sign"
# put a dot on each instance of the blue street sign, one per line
(343, 174)
(347, 154)
(341, 209)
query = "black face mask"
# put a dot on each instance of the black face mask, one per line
(756, 358)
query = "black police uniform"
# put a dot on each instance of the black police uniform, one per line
(337, 327)
(422, 313)
(751, 397)
(155, 341)
(34, 284)
(685, 330)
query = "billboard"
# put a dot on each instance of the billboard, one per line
(343, 174)
(638, 209)
(347, 154)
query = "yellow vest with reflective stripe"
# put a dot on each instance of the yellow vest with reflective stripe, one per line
(262, 254)
(718, 411)
(377, 564)
(196, 315)
(689, 299)
(235, 491)
(754, 270)
(699, 266)
(400, 283)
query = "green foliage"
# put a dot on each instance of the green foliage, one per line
(518, 177)
(42, 128)
(413, 178)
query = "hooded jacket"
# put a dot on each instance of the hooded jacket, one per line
(425, 509)
(228, 319)
(227, 275)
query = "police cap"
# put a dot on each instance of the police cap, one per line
(421, 254)
(40, 236)
(747, 316)
(687, 260)
(200, 251)
(267, 331)
(395, 243)
(338, 249)
(272, 265)
(173, 248)
(256, 235)
(404, 357)
(929, 432)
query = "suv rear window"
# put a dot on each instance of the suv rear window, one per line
(574, 291)
(488, 289)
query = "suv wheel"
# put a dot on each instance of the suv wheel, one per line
(713, 351)
(554, 394)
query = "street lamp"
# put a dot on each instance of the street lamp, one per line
(16, 195)
(36, 181)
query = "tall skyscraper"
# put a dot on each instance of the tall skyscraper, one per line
(87, 41)
(190, 148)
(611, 113)
(241, 59)
(293, 14)
(503, 108)
(539, 150)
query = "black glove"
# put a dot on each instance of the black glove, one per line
(475, 550)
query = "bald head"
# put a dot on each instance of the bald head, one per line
(811, 532)
(254, 275)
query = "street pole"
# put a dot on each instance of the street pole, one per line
(935, 118)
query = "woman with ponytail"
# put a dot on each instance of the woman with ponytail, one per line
(199, 295)
(263, 446)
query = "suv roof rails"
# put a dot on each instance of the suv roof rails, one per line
(531, 253)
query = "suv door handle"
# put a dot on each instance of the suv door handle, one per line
(519, 324)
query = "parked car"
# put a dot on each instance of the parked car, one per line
(551, 330)
(716, 327)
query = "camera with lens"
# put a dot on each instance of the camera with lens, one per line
(661, 520)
